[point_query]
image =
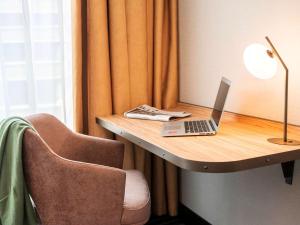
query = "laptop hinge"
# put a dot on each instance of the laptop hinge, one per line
(213, 125)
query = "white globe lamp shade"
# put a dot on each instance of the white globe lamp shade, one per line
(258, 62)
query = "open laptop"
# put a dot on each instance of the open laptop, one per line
(200, 127)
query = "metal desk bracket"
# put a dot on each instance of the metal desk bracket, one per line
(288, 171)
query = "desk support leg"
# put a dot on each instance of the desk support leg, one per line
(288, 171)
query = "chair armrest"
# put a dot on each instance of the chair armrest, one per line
(70, 192)
(95, 150)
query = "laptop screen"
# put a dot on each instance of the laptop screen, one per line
(220, 100)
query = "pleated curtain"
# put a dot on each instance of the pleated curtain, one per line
(125, 53)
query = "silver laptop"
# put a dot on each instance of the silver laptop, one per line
(200, 127)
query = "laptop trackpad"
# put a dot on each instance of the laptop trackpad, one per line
(172, 127)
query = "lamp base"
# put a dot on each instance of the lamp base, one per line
(280, 141)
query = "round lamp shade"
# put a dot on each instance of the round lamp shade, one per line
(258, 62)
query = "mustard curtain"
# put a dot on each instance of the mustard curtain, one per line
(125, 54)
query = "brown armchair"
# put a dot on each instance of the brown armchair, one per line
(76, 179)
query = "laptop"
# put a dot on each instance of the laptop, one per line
(200, 127)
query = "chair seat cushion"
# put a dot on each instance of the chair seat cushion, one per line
(137, 206)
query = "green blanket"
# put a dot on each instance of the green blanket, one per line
(15, 204)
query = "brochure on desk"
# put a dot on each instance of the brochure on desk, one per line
(147, 112)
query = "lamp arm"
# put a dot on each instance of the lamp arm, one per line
(276, 53)
(286, 89)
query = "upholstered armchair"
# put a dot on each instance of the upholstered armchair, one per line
(75, 179)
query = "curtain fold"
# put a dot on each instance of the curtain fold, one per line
(125, 54)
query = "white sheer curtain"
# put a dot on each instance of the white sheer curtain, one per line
(35, 58)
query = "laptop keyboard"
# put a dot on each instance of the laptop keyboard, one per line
(196, 126)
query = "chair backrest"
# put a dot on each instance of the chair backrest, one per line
(51, 130)
(65, 191)
(38, 160)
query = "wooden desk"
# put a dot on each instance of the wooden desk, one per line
(240, 144)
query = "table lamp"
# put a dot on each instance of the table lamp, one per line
(260, 61)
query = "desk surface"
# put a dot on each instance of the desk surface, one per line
(240, 144)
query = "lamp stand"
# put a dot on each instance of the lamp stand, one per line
(280, 141)
(284, 140)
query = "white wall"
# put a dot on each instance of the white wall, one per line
(213, 35)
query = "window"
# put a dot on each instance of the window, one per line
(35, 58)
